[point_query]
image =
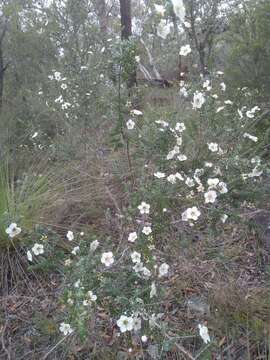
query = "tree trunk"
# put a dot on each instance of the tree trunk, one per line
(126, 32)
(2, 66)
(126, 26)
(1, 77)
(101, 11)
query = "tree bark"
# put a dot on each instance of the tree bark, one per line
(2, 66)
(126, 25)
(126, 32)
(101, 11)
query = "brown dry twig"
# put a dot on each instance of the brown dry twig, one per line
(3, 329)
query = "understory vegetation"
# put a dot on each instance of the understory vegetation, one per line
(134, 179)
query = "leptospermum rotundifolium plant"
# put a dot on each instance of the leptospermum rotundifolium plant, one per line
(194, 174)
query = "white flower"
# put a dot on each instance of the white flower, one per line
(182, 157)
(68, 262)
(107, 258)
(75, 250)
(163, 270)
(125, 323)
(214, 96)
(13, 230)
(185, 50)
(65, 328)
(183, 92)
(255, 173)
(132, 237)
(212, 183)
(136, 112)
(160, 9)
(223, 218)
(144, 208)
(137, 323)
(250, 114)
(130, 124)
(189, 182)
(171, 155)
(172, 178)
(70, 235)
(91, 295)
(191, 214)
(187, 24)
(228, 102)
(207, 85)
(213, 147)
(57, 75)
(137, 58)
(144, 338)
(251, 137)
(29, 255)
(210, 196)
(223, 86)
(159, 175)
(198, 100)
(77, 284)
(179, 176)
(153, 291)
(180, 127)
(200, 188)
(94, 244)
(63, 86)
(255, 108)
(179, 9)
(135, 257)
(146, 272)
(38, 249)
(204, 333)
(147, 230)
(222, 187)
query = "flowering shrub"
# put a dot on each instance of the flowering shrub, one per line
(192, 172)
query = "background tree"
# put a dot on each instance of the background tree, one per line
(126, 33)
(3, 65)
(249, 46)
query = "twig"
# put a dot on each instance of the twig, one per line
(55, 346)
(179, 347)
(183, 350)
(3, 341)
(108, 191)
